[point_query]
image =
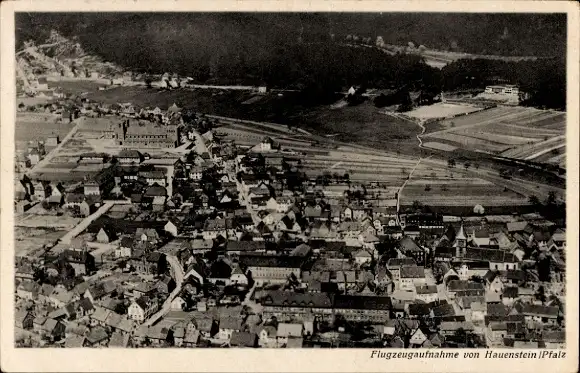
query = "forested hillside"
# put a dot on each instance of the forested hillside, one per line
(307, 51)
(199, 34)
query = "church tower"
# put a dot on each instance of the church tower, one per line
(460, 243)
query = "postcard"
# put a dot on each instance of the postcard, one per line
(329, 186)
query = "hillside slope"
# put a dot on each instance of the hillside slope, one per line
(199, 34)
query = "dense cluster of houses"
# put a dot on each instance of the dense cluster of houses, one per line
(246, 252)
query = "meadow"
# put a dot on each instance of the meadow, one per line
(515, 132)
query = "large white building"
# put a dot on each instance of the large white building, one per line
(508, 89)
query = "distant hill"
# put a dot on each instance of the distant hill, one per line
(308, 51)
(149, 38)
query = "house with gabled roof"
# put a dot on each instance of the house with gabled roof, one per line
(85, 307)
(411, 276)
(558, 240)
(173, 227)
(455, 286)
(98, 337)
(287, 331)
(426, 293)
(119, 340)
(24, 320)
(229, 325)
(28, 290)
(267, 336)
(345, 280)
(53, 329)
(99, 316)
(60, 297)
(394, 266)
(100, 290)
(539, 313)
(200, 246)
(363, 308)
(419, 337)
(106, 235)
(284, 304)
(217, 227)
(147, 235)
(243, 339)
(127, 156)
(509, 295)
(124, 248)
(141, 308)
(362, 256)
(409, 248)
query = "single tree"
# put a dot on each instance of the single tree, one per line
(541, 294)
(417, 205)
(551, 200)
(533, 200)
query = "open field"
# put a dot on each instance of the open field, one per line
(391, 170)
(36, 127)
(441, 110)
(76, 87)
(46, 221)
(463, 193)
(439, 146)
(553, 155)
(96, 124)
(518, 130)
(62, 163)
(560, 160)
(363, 124)
(488, 116)
(29, 242)
(436, 186)
(364, 165)
(465, 141)
(531, 151)
(33, 101)
(210, 102)
(515, 132)
(545, 119)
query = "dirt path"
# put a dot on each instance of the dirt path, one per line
(420, 124)
(400, 191)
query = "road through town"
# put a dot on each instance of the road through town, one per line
(79, 228)
(177, 274)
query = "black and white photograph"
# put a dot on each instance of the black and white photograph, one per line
(391, 181)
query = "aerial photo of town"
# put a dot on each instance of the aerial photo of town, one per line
(290, 180)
